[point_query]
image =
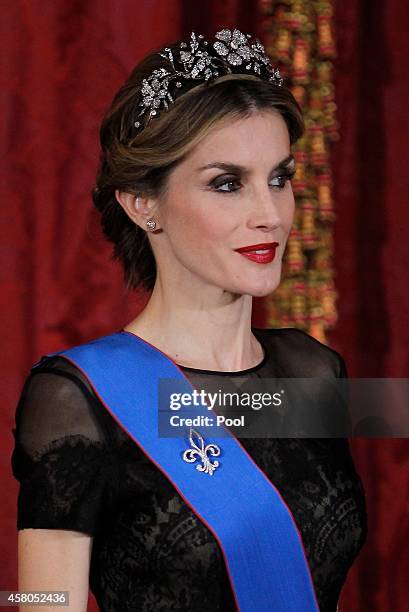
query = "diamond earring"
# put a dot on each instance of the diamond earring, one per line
(151, 224)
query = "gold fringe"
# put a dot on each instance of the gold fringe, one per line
(298, 36)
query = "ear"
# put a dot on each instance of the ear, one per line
(138, 208)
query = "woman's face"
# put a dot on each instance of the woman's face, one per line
(231, 191)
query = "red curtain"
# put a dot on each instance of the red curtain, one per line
(371, 261)
(61, 64)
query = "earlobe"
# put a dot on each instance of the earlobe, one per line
(138, 208)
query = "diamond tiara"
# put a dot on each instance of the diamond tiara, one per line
(192, 61)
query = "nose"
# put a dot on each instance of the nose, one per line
(265, 212)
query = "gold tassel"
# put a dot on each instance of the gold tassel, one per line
(298, 36)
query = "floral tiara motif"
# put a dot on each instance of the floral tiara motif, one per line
(194, 61)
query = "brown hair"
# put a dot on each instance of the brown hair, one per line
(140, 163)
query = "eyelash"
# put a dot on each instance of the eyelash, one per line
(288, 176)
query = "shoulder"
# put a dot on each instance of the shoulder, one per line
(59, 376)
(55, 402)
(69, 361)
(307, 355)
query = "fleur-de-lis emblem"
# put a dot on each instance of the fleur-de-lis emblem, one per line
(200, 451)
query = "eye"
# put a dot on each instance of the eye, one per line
(224, 185)
(281, 181)
(231, 184)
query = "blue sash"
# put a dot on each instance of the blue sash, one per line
(256, 532)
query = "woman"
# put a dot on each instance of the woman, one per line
(194, 192)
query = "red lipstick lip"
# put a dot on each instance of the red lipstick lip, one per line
(258, 247)
(260, 258)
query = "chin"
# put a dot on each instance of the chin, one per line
(261, 288)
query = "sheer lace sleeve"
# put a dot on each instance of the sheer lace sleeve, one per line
(62, 458)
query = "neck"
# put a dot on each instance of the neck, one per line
(205, 332)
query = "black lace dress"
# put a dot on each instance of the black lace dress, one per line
(78, 470)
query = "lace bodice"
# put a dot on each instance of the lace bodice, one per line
(79, 470)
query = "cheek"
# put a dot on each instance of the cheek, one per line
(214, 227)
(199, 226)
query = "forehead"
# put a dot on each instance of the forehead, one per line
(244, 140)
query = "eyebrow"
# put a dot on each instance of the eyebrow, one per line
(237, 169)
